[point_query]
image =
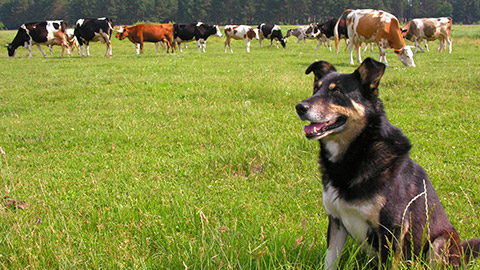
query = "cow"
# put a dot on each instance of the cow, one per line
(302, 33)
(367, 25)
(100, 29)
(429, 29)
(185, 32)
(238, 32)
(140, 33)
(39, 33)
(71, 41)
(272, 32)
(328, 29)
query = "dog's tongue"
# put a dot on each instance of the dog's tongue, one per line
(309, 129)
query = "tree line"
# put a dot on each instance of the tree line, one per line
(13, 13)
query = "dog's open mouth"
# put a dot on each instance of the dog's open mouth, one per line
(318, 130)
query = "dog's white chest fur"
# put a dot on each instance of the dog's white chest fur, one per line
(357, 217)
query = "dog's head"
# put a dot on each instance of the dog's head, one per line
(341, 103)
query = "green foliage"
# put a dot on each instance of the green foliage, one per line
(167, 161)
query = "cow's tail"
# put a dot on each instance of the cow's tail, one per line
(337, 36)
(471, 249)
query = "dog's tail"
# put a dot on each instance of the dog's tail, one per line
(471, 249)
(335, 33)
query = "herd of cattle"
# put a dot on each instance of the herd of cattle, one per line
(359, 26)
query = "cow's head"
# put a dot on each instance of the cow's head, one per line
(256, 33)
(217, 29)
(121, 33)
(289, 33)
(11, 50)
(405, 55)
(312, 31)
(283, 41)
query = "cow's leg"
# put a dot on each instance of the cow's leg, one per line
(137, 48)
(449, 41)
(87, 46)
(200, 45)
(357, 50)
(318, 44)
(336, 238)
(418, 46)
(51, 49)
(441, 44)
(83, 50)
(329, 45)
(227, 42)
(141, 46)
(109, 48)
(351, 53)
(426, 45)
(247, 44)
(40, 49)
(260, 39)
(382, 54)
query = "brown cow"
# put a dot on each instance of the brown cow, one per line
(147, 33)
(429, 29)
(375, 26)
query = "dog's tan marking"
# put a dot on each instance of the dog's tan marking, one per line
(356, 123)
(319, 84)
(372, 86)
(332, 86)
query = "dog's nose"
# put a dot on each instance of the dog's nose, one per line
(302, 108)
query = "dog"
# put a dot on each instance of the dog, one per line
(372, 190)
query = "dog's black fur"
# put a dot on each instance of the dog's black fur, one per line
(373, 190)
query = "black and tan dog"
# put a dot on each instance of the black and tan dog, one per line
(373, 191)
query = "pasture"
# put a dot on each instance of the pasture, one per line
(198, 160)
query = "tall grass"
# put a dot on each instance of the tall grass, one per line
(199, 160)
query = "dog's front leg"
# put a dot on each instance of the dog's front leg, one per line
(336, 237)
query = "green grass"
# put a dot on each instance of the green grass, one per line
(199, 160)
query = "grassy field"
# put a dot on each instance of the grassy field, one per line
(198, 160)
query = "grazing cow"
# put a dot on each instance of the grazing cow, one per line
(429, 29)
(71, 41)
(367, 25)
(328, 29)
(185, 32)
(302, 33)
(100, 29)
(271, 31)
(238, 32)
(39, 33)
(147, 33)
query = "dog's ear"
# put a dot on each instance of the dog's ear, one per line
(370, 73)
(320, 69)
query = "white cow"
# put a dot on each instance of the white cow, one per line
(238, 32)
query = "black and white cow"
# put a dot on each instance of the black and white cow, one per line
(100, 29)
(39, 33)
(328, 29)
(272, 32)
(185, 32)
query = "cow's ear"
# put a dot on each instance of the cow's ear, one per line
(370, 73)
(320, 69)
(404, 30)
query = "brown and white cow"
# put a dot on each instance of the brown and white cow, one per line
(375, 26)
(424, 29)
(140, 33)
(238, 32)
